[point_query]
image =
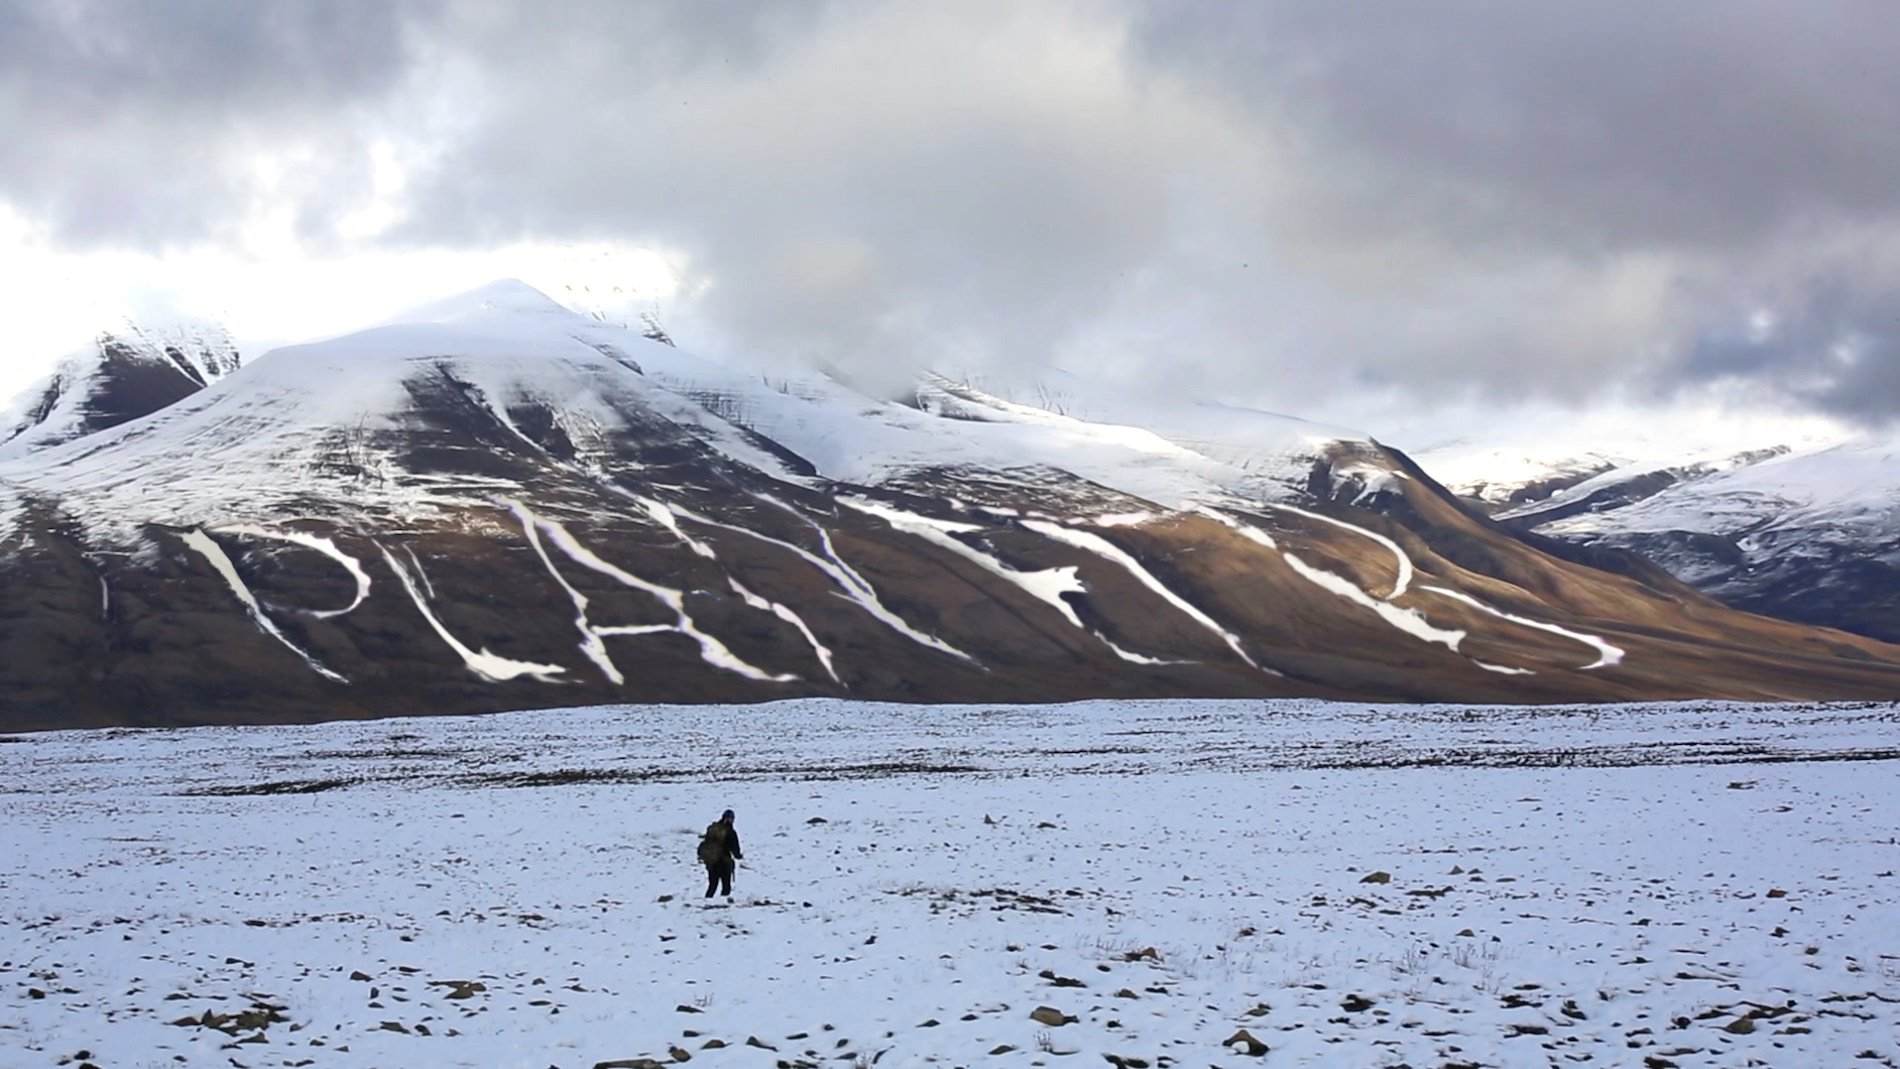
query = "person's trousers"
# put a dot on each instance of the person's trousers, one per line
(719, 878)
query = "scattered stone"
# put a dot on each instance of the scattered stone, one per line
(1060, 981)
(360, 976)
(1740, 1026)
(1776, 892)
(1001, 1048)
(755, 1041)
(1355, 1004)
(1050, 1016)
(460, 989)
(684, 1008)
(1381, 876)
(1248, 1045)
(1527, 1030)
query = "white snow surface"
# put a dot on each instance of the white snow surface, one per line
(1616, 882)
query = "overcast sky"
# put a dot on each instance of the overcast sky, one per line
(1351, 210)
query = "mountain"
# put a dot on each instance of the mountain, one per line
(126, 374)
(1812, 536)
(495, 503)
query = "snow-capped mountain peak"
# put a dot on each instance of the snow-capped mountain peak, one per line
(125, 374)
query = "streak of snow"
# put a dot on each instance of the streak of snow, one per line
(322, 545)
(489, 666)
(1123, 519)
(1376, 480)
(1607, 655)
(591, 643)
(1046, 586)
(1113, 553)
(855, 587)
(711, 650)
(1404, 562)
(663, 515)
(421, 572)
(202, 544)
(1410, 621)
(1503, 670)
(1245, 530)
(764, 604)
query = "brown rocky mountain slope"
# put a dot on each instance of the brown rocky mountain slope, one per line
(496, 504)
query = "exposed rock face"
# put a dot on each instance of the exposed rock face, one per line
(498, 504)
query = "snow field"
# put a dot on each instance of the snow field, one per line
(520, 890)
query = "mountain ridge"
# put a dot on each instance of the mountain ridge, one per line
(499, 504)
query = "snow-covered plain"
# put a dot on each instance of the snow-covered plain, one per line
(1690, 885)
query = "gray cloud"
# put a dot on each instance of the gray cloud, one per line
(1835, 346)
(1278, 202)
(134, 122)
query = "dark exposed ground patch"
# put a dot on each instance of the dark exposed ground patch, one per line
(569, 776)
(291, 786)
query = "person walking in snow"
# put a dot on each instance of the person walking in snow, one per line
(717, 851)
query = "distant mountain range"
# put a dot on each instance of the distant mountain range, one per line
(496, 503)
(1806, 533)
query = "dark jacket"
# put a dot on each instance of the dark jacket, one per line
(725, 849)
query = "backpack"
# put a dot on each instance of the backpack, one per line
(712, 848)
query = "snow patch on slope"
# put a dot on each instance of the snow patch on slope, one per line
(1607, 655)
(711, 650)
(201, 543)
(489, 666)
(1410, 621)
(1047, 586)
(1109, 551)
(322, 545)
